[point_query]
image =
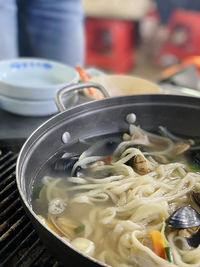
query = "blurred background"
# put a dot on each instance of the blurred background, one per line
(152, 39)
(146, 36)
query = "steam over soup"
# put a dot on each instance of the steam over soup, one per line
(128, 201)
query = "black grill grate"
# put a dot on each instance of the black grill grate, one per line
(19, 243)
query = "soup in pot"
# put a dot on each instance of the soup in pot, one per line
(128, 200)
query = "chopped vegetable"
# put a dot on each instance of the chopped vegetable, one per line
(36, 191)
(163, 234)
(193, 167)
(84, 245)
(168, 253)
(158, 245)
(79, 229)
(126, 137)
(108, 159)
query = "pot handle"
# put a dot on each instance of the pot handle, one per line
(70, 88)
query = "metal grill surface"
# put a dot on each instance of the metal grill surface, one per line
(19, 243)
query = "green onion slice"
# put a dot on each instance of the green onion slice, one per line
(79, 229)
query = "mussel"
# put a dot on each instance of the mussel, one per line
(183, 218)
(65, 164)
(103, 147)
(111, 145)
(195, 156)
(196, 197)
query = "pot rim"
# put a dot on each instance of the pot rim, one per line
(28, 206)
(93, 105)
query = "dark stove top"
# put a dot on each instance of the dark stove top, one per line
(19, 243)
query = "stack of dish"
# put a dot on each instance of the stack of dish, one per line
(28, 85)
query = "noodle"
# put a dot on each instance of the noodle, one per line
(124, 206)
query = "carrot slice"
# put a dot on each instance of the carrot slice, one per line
(108, 159)
(158, 245)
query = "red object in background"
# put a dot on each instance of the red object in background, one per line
(110, 44)
(153, 13)
(184, 35)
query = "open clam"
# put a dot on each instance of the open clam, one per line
(183, 218)
(187, 221)
(65, 164)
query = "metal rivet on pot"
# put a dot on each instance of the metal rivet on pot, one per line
(131, 118)
(66, 137)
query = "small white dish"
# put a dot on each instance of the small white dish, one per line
(118, 85)
(34, 78)
(33, 108)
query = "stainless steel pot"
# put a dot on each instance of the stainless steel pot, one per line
(179, 114)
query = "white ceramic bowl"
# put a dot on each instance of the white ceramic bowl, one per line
(34, 78)
(34, 108)
(126, 85)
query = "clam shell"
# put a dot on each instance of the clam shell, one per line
(184, 217)
(196, 197)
